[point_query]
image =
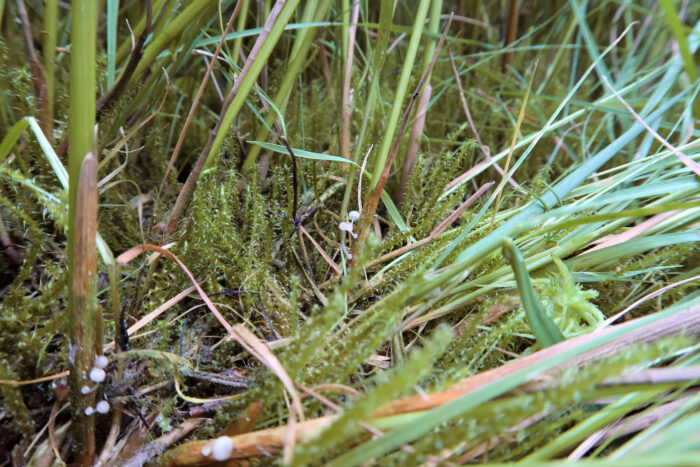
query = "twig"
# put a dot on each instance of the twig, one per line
(370, 207)
(263, 311)
(413, 145)
(195, 102)
(484, 149)
(185, 195)
(295, 184)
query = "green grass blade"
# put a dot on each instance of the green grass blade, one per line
(50, 154)
(250, 78)
(401, 90)
(544, 329)
(10, 139)
(688, 61)
(112, 18)
(278, 148)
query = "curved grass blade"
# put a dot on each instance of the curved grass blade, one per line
(544, 329)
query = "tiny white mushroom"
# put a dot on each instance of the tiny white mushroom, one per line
(102, 407)
(206, 451)
(85, 390)
(101, 362)
(347, 227)
(97, 375)
(353, 215)
(89, 411)
(223, 447)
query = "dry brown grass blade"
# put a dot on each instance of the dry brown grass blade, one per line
(108, 447)
(630, 233)
(44, 455)
(323, 253)
(436, 231)
(55, 446)
(484, 149)
(653, 294)
(154, 314)
(627, 426)
(516, 131)
(239, 333)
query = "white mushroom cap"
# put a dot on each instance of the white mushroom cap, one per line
(97, 375)
(347, 227)
(354, 215)
(223, 447)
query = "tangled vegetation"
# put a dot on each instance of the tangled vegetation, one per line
(349, 232)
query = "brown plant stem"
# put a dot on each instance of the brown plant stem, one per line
(118, 88)
(195, 102)
(84, 315)
(511, 30)
(413, 145)
(185, 195)
(39, 75)
(370, 206)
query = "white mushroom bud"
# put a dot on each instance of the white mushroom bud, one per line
(102, 407)
(89, 411)
(100, 362)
